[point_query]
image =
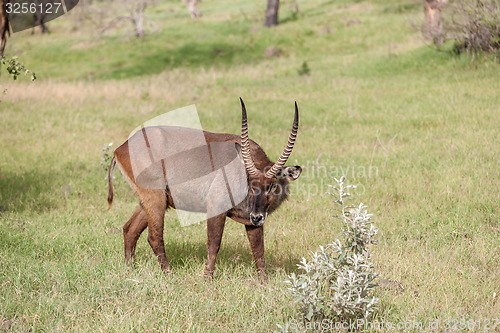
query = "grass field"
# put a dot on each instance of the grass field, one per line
(415, 127)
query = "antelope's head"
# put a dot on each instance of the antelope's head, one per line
(268, 188)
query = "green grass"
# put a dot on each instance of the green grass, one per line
(435, 194)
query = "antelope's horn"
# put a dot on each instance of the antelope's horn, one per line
(289, 146)
(245, 144)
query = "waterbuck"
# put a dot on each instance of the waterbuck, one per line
(4, 26)
(224, 176)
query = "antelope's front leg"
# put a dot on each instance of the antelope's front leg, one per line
(215, 228)
(256, 238)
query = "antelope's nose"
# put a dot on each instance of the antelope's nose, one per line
(257, 219)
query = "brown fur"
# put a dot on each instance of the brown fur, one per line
(4, 26)
(153, 203)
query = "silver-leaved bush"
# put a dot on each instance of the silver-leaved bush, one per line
(338, 280)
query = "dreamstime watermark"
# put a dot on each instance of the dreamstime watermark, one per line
(325, 170)
(381, 325)
(25, 14)
(309, 190)
(351, 325)
(316, 177)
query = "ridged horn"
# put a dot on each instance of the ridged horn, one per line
(245, 144)
(289, 146)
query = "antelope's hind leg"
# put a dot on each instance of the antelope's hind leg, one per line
(154, 203)
(132, 230)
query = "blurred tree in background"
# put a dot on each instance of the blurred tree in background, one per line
(272, 13)
(433, 25)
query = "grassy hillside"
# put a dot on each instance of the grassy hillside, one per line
(415, 127)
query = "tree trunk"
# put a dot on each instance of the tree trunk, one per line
(138, 19)
(433, 26)
(272, 13)
(193, 8)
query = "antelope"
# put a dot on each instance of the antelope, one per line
(262, 183)
(4, 26)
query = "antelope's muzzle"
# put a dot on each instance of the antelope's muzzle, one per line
(257, 220)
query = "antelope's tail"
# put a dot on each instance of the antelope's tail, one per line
(110, 182)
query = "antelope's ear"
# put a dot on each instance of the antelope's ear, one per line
(291, 172)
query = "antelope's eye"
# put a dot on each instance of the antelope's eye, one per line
(271, 187)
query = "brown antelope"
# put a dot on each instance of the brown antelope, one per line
(264, 185)
(4, 26)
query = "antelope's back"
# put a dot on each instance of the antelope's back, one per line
(200, 170)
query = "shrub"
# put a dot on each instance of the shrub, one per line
(475, 25)
(16, 68)
(304, 69)
(337, 282)
(106, 157)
